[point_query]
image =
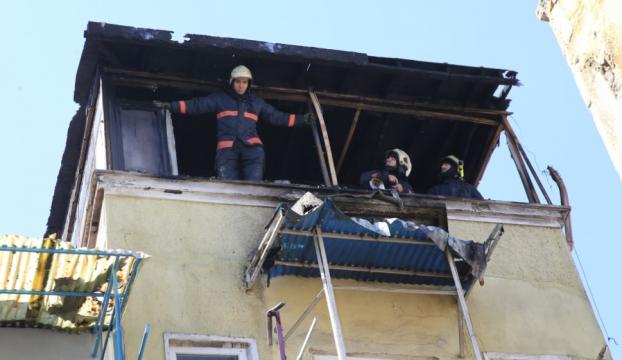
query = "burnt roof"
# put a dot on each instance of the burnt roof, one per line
(463, 90)
(209, 57)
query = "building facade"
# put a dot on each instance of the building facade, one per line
(138, 178)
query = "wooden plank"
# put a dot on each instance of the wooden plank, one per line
(419, 111)
(262, 252)
(409, 111)
(535, 174)
(397, 290)
(320, 154)
(491, 243)
(304, 314)
(306, 340)
(532, 196)
(359, 237)
(494, 139)
(463, 305)
(370, 270)
(85, 157)
(461, 338)
(348, 139)
(329, 151)
(153, 81)
(170, 141)
(331, 303)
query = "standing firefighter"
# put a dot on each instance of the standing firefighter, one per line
(240, 154)
(394, 174)
(451, 180)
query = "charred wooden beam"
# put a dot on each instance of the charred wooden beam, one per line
(433, 74)
(329, 152)
(437, 111)
(535, 175)
(513, 145)
(342, 157)
(494, 141)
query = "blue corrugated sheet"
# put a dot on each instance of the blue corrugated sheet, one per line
(364, 254)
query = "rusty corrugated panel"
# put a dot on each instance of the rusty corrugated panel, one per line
(55, 272)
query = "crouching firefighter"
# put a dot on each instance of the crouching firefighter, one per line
(394, 174)
(239, 151)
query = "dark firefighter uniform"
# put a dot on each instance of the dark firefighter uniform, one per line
(401, 171)
(240, 154)
(450, 182)
(384, 176)
(455, 187)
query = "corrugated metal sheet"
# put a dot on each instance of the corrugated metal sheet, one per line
(372, 255)
(55, 272)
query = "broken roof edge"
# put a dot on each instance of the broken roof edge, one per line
(147, 36)
(65, 178)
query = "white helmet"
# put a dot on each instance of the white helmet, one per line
(402, 158)
(240, 71)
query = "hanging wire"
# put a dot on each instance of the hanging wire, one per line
(546, 174)
(589, 288)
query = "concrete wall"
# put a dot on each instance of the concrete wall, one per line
(590, 36)
(532, 301)
(35, 344)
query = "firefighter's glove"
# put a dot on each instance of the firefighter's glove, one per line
(309, 119)
(162, 105)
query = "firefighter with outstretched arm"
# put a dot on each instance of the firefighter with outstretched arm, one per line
(240, 154)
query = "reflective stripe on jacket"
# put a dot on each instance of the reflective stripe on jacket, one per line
(236, 115)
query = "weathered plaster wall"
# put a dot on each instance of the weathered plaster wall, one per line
(590, 36)
(532, 302)
(35, 344)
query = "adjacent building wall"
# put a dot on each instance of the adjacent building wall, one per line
(44, 344)
(532, 301)
(590, 36)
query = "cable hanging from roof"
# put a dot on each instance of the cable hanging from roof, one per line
(593, 299)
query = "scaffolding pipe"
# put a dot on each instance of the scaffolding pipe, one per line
(102, 315)
(143, 342)
(118, 329)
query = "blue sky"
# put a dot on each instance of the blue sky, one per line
(42, 43)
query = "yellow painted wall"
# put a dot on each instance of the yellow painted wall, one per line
(532, 302)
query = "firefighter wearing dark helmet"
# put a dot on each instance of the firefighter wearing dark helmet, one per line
(451, 182)
(393, 175)
(240, 154)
